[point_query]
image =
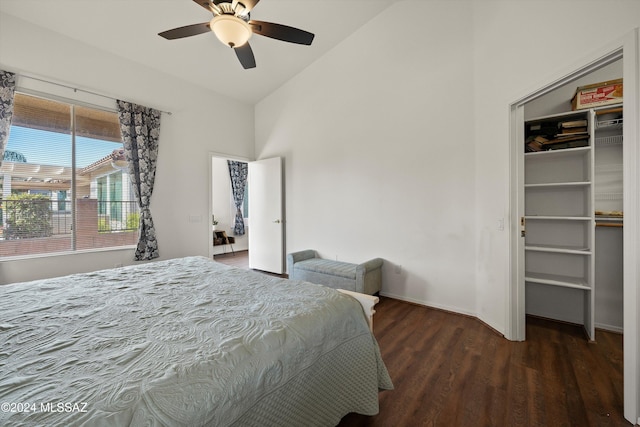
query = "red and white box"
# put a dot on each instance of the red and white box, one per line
(597, 95)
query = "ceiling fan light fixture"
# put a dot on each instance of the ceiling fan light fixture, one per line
(230, 30)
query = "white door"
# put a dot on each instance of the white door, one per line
(266, 226)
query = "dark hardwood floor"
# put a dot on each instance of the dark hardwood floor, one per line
(453, 370)
(238, 259)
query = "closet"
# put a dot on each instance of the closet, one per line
(573, 195)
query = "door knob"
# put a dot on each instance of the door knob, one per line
(277, 221)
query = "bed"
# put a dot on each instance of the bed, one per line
(184, 342)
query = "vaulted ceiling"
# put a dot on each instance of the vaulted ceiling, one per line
(129, 28)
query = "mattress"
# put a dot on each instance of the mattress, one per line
(184, 342)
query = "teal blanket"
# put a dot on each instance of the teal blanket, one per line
(184, 342)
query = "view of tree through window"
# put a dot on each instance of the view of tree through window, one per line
(63, 179)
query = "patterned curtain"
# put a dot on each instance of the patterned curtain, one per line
(7, 89)
(238, 174)
(140, 128)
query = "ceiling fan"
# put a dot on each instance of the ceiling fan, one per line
(232, 25)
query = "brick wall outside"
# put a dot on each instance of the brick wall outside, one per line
(87, 237)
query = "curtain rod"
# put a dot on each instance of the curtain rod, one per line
(75, 89)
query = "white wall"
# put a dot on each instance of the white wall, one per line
(396, 142)
(181, 193)
(377, 138)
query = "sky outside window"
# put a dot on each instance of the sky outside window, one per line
(54, 148)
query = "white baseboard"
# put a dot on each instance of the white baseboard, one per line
(429, 304)
(609, 328)
(603, 326)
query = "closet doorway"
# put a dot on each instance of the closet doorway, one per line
(625, 50)
(584, 286)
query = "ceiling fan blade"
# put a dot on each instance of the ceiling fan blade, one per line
(186, 31)
(245, 55)
(204, 3)
(281, 32)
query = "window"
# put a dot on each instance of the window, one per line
(63, 181)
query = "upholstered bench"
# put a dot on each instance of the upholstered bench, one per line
(365, 278)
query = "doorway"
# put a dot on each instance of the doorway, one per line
(223, 210)
(263, 214)
(626, 50)
(593, 297)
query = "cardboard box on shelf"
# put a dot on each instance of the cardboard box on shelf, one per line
(598, 94)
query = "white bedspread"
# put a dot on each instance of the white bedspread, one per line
(183, 342)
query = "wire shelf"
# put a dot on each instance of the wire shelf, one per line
(611, 123)
(609, 140)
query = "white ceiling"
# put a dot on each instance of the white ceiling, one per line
(129, 28)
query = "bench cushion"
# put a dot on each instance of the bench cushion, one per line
(327, 266)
